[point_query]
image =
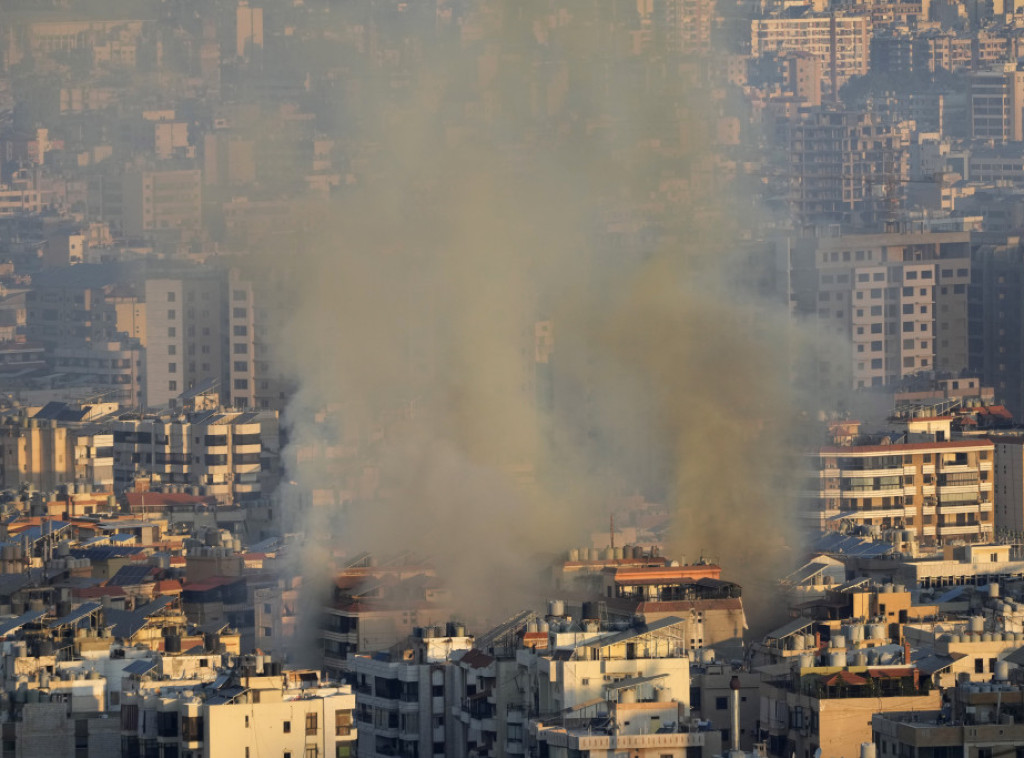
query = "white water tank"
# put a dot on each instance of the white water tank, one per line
(1002, 672)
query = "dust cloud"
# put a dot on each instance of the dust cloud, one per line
(524, 306)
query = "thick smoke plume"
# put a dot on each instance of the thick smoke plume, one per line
(533, 179)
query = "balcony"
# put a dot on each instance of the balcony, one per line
(892, 491)
(959, 508)
(958, 468)
(862, 513)
(958, 489)
(949, 531)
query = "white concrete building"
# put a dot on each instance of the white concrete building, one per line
(405, 696)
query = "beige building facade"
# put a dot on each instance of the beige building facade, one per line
(941, 491)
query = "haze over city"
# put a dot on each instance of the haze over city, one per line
(550, 378)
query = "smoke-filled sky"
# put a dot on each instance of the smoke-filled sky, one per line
(535, 172)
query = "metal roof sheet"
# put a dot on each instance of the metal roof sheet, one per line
(794, 626)
(635, 681)
(76, 615)
(141, 666)
(14, 624)
(628, 634)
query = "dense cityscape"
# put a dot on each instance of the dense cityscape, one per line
(499, 378)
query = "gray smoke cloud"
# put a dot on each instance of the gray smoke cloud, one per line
(528, 177)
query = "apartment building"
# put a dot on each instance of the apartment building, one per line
(580, 664)
(248, 29)
(652, 729)
(847, 166)
(997, 322)
(940, 491)
(995, 102)
(404, 699)
(829, 711)
(840, 41)
(39, 454)
(686, 25)
(982, 720)
(266, 711)
(898, 300)
(1009, 484)
(166, 202)
(374, 607)
(220, 453)
(15, 201)
(199, 333)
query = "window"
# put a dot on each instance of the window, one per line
(979, 665)
(172, 368)
(172, 386)
(342, 723)
(312, 751)
(241, 348)
(239, 295)
(238, 312)
(172, 332)
(310, 723)
(172, 349)
(241, 384)
(241, 365)
(287, 728)
(170, 297)
(721, 703)
(171, 315)
(240, 331)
